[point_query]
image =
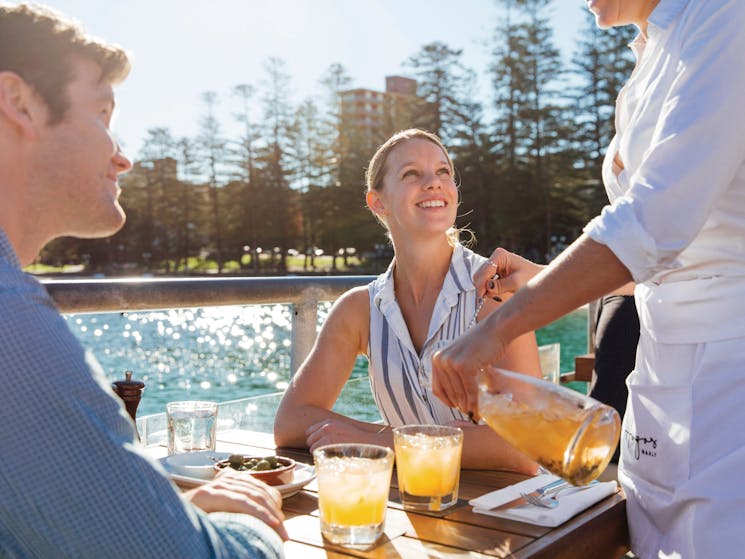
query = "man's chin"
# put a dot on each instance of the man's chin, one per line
(102, 228)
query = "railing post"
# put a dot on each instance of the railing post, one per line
(304, 317)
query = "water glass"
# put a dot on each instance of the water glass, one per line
(428, 465)
(550, 357)
(353, 485)
(568, 433)
(191, 426)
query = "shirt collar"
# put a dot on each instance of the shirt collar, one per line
(385, 294)
(7, 252)
(457, 279)
(637, 45)
(459, 274)
(666, 13)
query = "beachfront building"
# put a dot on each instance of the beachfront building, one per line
(376, 114)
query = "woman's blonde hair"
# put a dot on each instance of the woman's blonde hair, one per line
(377, 167)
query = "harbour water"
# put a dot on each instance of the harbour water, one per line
(235, 352)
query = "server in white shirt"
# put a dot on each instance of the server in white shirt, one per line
(675, 175)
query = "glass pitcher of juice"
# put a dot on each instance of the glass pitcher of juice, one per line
(571, 435)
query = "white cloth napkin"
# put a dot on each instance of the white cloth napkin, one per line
(571, 501)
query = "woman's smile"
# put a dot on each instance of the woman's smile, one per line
(432, 203)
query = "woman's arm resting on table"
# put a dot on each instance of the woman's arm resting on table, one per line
(583, 272)
(316, 385)
(340, 429)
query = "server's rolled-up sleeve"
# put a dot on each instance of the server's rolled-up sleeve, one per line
(697, 147)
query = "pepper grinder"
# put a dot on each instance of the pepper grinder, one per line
(130, 391)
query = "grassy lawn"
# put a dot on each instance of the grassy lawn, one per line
(294, 265)
(45, 269)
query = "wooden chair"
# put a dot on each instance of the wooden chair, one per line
(583, 367)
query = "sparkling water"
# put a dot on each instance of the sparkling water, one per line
(232, 352)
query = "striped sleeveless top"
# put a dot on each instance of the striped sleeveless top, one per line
(400, 378)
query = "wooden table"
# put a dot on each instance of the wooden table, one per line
(600, 532)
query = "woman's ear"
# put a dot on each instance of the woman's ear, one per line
(375, 203)
(20, 105)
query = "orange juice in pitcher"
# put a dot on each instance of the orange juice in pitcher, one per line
(568, 433)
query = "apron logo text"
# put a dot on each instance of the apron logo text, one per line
(638, 446)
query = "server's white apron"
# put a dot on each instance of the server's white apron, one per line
(683, 436)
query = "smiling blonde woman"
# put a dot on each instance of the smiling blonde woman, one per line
(425, 298)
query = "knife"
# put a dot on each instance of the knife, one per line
(551, 487)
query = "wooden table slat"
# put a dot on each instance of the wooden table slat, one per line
(467, 516)
(465, 536)
(307, 531)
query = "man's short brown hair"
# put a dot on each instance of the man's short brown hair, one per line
(41, 45)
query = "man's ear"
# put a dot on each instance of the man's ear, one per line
(375, 203)
(20, 105)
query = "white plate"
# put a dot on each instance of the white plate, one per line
(199, 464)
(303, 475)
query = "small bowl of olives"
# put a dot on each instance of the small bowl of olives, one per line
(272, 470)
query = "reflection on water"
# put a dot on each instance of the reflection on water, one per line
(227, 353)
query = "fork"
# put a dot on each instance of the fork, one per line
(550, 498)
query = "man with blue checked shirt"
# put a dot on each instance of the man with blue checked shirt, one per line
(74, 481)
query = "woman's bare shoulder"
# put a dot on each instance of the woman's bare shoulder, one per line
(354, 300)
(350, 316)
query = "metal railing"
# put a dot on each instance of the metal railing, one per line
(302, 292)
(119, 295)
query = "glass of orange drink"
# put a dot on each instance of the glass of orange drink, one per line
(568, 433)
(353, 485)
(428, 465)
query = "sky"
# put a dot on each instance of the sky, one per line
(182, 48)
